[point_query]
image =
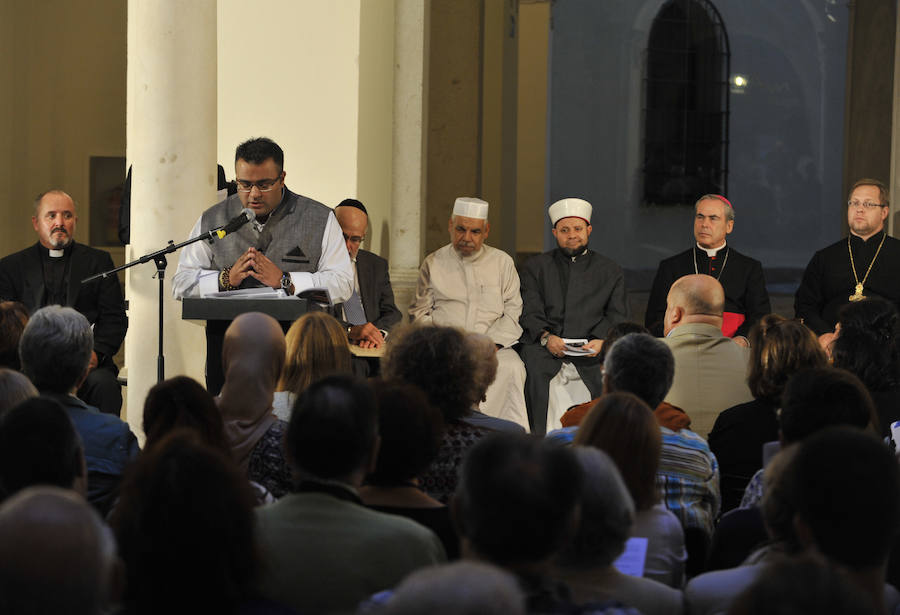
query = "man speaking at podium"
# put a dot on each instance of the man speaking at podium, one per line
(294, 243)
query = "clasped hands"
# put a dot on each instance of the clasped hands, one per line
(255, 264)
(366, 336)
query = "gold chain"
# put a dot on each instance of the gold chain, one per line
(857, 295)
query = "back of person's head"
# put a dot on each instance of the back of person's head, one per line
(617, 331)
(777, 505)
(845, 488)
(866, 344)
(484, 352)
(183, 403)
(316, 347)
(55, 349)
(13, 318)
(698, 295)
(184, 522)
(411, 431)
(607, 513)
(804, 584)
(39, 446)
(56, 555)
(517, 499)
(439, 361)
(817, 398)
(15, 387)
(624, 427)
(462, 588)
(778, 349)
(333, 428)
(641, 364)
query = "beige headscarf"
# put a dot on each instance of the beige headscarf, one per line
(252, 355)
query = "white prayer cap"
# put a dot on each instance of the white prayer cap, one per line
(470, 207)
(570, 208)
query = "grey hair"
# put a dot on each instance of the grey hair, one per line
(55, 349)
(729, 209)
(484, 353)
(641, 364)
(40, 197)
(607, 513)
(15, 387)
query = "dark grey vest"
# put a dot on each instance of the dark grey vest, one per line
(292, 237)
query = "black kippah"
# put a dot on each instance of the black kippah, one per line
(353, 203)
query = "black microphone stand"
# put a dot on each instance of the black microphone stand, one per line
(159, 257)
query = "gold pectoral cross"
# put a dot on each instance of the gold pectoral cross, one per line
(858, 294)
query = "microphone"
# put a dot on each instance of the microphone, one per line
(246, 215)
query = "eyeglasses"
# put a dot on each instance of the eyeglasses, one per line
(354, 238)
(866, 204)
(263, 185)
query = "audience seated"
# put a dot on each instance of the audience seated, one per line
(323, 550)
(317, 346)
(484, 353)
(184, 524)
(39, 446)
(516, 507)
(812, 400)
(252, 356)
(15, 387)
(778, 349)
(623, 427)
(463, 588)
(56, 351)
(710, 369)
(183, 403)
(607, 513)
(804, 584)
(13, 318)
(866, 345)
(439, 361)
(411, 431)
(56, 555)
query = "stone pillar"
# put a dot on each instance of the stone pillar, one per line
(407, 203)
(171, 130)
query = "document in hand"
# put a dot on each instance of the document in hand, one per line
(575, 347)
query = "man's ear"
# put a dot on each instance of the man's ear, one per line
(677, 314)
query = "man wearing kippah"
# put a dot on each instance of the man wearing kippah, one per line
(570, 293)
(475, 287)
(746, 298)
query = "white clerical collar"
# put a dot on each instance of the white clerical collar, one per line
(57, 253)
(711, 252)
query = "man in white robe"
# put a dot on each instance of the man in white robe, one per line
(475, 287)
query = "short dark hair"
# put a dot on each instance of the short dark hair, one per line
(353, 203)
(641, 364)
(439, 361)
(516, 498)
(333, 428)
(883, 193)
(411, 430)
(55, 348)
(617, 331)
(184, 524)
(778, 349)
(819, 397)
(259, 149)
(13, 318)
(183, 403)
(845, 486)
(38, 446)
(867, 343)
(625, 428)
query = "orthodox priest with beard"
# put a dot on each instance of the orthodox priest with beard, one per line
(570, 292)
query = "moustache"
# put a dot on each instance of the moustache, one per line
(59, 229)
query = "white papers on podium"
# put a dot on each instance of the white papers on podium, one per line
(262, 292)
(632, 561)
(575, 347)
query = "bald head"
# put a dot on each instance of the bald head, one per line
(354, 224)
(694, 298)
(56, 555)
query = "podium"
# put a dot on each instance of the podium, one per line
(218, 314)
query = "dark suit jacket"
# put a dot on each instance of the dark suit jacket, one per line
(375, 291)
(742, 278)
(101, 301)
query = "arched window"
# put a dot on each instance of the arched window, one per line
(686, 104)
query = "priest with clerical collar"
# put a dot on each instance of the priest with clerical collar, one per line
(865, 264)
(746, 298)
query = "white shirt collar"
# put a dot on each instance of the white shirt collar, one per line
(57, 253)
(711, 252)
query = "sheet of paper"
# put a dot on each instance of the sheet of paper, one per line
(575, 347)
(632, 561)
(249, 293)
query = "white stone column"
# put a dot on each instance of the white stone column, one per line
(409, 143)
(171, 133)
